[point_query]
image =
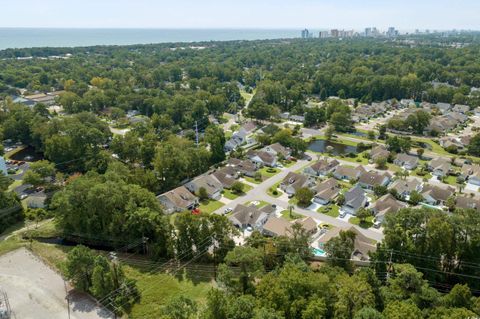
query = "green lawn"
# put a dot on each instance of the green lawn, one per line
(287, 216)
(252, 180)
(416, 173)
(274, 188)
(332, 210)
(14, 185)
(209, 206)
(366, 224)
(451, 180)
(261, 203)
(268, 172)
(231, 195)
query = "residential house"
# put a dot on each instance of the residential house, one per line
(278, 226)
(344, 172)
(477, 111)
(262, 158)
(177, 200)
(293, 182)
(461, 108)
(371, 179)
(471, 173)
(278, 150)
(440, 166)
(322, 167)
(385, 205)
(435, 195)
(249, 127)
(326, 191)
(37, 200)
(405, 186)
(227, 176)
(354, 200)
(448, 141)
(406, 161)
(443, 107)
(249, 216)
(379, 151)
(467, 202)
(363, 245)
(213, 187)
(238, 138)
(243, 167)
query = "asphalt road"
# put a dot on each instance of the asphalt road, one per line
(258, 193)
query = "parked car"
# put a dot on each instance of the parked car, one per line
(307, 157)
(377, 224)
(227, 211)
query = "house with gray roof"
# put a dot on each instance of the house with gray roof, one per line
(277, 150)
(379, 151)
(262, 158)
(461, 108)
(406, 161)
(248, 216)
(279, 226)
(467, 202)
(177, 200)
(440, 166)
(405, 186)
(213, 187)
(362, 244)
(227, 176)
(293, 182)
(322, 168)
(443, 107)
(471, 173)
(354, 200)
(369, 180)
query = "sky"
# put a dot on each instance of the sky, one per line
(269, 14)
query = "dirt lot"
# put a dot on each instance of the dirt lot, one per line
(36, 291)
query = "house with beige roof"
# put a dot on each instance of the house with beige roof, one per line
(344, 172)
(406, 161)
(326, 191)
(278, 226)
(379, 151)
(362, 244)
(278, 150)
(386, 204)
(435, 195)
(249, 216)
(405, 186)
(177, 200)
(440, 166)
(471, 173)
(467, 202)
(322, 168)
(371, 179)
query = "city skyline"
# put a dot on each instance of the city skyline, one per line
(405, 16)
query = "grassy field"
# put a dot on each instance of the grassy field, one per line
(157, 289)
(332, 210)
(272, 189)
(209, 206)
(261, 203)
(252, 180)
(366, 224)
(231, 195)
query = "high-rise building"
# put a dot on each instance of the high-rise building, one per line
(335, 33)
(305, 34)
(324, 34)
(392, 32)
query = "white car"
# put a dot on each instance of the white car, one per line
(227, 211)
(255, 202)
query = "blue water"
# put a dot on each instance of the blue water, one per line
(318, 252)
(46, 37)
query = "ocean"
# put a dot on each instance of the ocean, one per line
(45, 37)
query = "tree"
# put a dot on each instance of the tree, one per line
(459, 297)
(339, 249)
(353, 294)
(380, 190)
(32, 178)
(79, 267)
(340, 199)
(341, 122)
(420, 152)
(451, 203)
(382, 132)
(371, 135)
(368, 313)
(202, 193)
(215, 137)
(180, 307)
(381, 162)
(474, 146)
(363, 214)
(304, 196)
(250, 262)
(329, 132)
(238, 187)
(415, 198)
(401, 310)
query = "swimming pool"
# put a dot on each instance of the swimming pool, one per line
(319, 252)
